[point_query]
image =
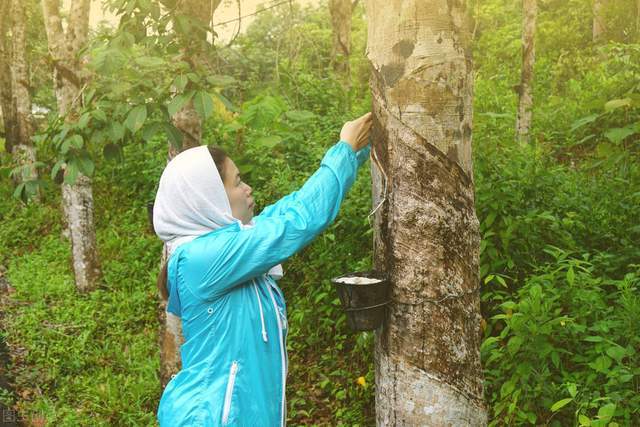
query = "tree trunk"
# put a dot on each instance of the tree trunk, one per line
(638, 20)
(24, 152)
(599, 25)
(77, 198)
(525, 92)
(189, 123)
(426, 236)
(6, 93)
(341, 27)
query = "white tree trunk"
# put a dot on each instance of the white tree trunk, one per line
(525, 92)
(77, 199)
(340, 11)
(23, 151)
(599, 26)
(426, 236)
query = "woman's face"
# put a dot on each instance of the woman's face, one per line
(238, 192)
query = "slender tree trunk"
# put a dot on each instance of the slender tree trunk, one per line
(638, 20)
(77, 199)
(599, 25)
(24, 152)
(426, 236)
(525, 92)
(6, 92)
(189, 123)
(341, 26)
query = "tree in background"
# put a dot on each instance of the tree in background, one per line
(340, 11)
(6, 93)
(599, 22)
(525, 89)
(191, 19)
(22, 148)
(77, 198)
(426, 235)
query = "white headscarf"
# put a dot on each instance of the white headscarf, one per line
(191, 201)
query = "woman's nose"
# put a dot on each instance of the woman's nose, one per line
(249, 189)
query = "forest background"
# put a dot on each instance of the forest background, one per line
(560, 250)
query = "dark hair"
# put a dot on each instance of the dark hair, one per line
(219, 157)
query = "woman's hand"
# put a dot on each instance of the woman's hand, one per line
(356, 132)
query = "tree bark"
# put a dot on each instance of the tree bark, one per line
(525, 92)
(23, 151)
(599, 24)
(188, 122)
(6, 92)
(340, 11)
(426, 235)
(77, 198)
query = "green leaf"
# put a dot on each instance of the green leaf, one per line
(220, 80)
(514, 344)
(99, 115)
(112, 152)
(583, 121)
(228, 105)
(150, 131)
(617, 353)
(85, 165)
(178, 102)
(19, 192)
(573, 389)
(149, 61)
(571, 276)
(116, 131)
(617, 103)
(84, 120)
(71, 172)
(593, 338)
(607, 410)
(55, 170)
(203, 104)
(601, 364)
(136, 118)
(617, 135)
(268, 141)
(74, 141)
(180, 82)
(560, 404)
(300, 115)
(174, 135)
(584, 420)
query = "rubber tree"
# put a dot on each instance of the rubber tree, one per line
(77, 198)
(426, 233)
(6, 92)
(525, 89)
(599, 24)
(340, 11)
(190, 18)
(23, 150)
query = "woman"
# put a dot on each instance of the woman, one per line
(220, 278)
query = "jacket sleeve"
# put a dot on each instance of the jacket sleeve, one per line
(216, 262)
(281, 205)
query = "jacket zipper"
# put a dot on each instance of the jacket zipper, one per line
(283, 367)
(227, 397)
(264, 330)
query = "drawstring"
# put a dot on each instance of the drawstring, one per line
(264, 330)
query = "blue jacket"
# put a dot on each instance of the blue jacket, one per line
(234, 320)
